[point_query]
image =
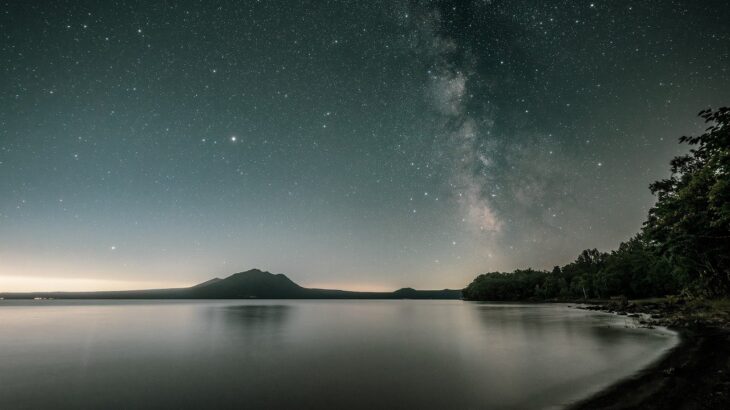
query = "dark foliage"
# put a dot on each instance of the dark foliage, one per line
(634, 270)
(690, 222)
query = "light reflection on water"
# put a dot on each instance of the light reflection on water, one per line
(311, 354)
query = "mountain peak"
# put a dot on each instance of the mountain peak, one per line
(251, 284)
(251, 272)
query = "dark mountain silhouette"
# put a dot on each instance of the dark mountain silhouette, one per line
(244, 285)
(207, 282)
(251, 284)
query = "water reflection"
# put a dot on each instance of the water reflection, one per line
(312, 354)
(253, 328)
(263, 318)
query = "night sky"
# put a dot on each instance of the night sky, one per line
(353, 144)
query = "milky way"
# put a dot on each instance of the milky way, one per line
(350, 144)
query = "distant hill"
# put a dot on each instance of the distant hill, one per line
(252, 284)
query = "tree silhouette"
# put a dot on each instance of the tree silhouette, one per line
(690, 222)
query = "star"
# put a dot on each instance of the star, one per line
(325, 132)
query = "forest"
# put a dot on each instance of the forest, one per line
(683, 247)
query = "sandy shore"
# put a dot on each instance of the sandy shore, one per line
(695, 374)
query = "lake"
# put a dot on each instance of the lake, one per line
(312, 354)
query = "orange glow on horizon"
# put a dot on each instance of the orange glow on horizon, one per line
(10, 283)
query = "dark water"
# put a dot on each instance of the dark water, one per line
(311, 354)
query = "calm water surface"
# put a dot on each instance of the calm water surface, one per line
(311, 354)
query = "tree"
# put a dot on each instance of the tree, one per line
(636, 270)
(690, 222)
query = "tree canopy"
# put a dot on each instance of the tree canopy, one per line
(691, 219)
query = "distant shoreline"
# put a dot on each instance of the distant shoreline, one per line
(251, 284)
